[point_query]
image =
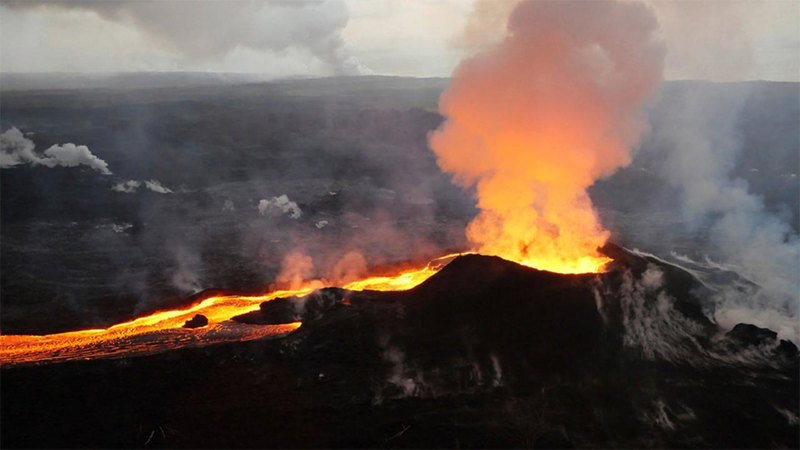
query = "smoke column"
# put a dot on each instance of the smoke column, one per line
(536, 119)
(702, 143)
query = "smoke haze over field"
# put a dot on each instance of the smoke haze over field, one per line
(721, 40)
(239, 29)
(701, 143)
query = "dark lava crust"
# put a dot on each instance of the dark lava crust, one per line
(486, 353)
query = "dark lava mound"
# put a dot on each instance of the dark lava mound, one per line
(197, 321)
(486, 353)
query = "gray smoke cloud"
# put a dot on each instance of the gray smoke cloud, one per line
(213, 29)
(186, 276)
(280, 204)
(131, 186)
(701, 145)
(16, 149)
(654, 327)
(127, 187)
(156, 186)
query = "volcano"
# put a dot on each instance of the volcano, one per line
(484, 353)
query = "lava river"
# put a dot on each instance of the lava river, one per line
(164, 330)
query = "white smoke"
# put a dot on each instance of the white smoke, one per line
(199, 34)
(71, 155)
(156, 186)
(652, 325)
(131, 186)
(656, 329)
(228, 206)
(716, 40)
(187, 265)
(296, 269)
(16, 149)
(701, 144)
(399, 375)
(121, 227)
(280, 204)
(128, 187)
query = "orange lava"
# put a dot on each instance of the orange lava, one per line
(533, 121)
(163, 330)
(402, 281)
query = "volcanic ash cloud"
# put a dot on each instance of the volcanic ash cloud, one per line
(535, 120)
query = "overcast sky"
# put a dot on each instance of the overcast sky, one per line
(706, 39)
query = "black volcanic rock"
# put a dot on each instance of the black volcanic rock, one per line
(316, 304)
(500, 309)
(623, 259)
(749, 336)
(484, 354)
(686, 291)
(197, 321)
(293, 309)
(274, 312)
(497, 309)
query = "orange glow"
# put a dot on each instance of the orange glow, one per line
(163, 330)
(533, 121)
(402, 281)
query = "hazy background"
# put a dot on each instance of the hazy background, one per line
(721, 40)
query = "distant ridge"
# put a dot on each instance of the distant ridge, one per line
(136, 80)
(144, 80)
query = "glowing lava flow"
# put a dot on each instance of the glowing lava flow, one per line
(163, 330)
(533, 121)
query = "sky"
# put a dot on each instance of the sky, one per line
(721, 40)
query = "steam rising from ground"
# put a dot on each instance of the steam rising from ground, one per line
(16, 149)
(131, 186)
(297, 270)
(656, 328)
(280, 204)
(535, 120)
(702, 144)
(230, 30)
(187, 266)
(297, 267)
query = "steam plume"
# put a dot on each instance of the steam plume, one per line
(535, 120)
(281, 204)
(296, 268)
(156, 186)
(701, 146)
(185, 277)
(16, 149)
(217, 29)
(131, 186)
(128, 187)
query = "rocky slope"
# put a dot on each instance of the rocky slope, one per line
(486, 353)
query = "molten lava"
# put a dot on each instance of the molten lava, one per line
(533, 121)
(163, 330)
